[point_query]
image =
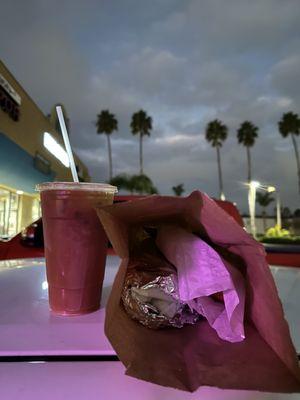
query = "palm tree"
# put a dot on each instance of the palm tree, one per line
(264, 199)
(122, 181)
(290, 125)
(107, 123)
(216, 133)
(178, 190)
(286, 212)
(142, 184)
(296, 222)
(141, 124)
(286, 215)
(246, 134)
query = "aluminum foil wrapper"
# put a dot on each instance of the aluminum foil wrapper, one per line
(150, 296)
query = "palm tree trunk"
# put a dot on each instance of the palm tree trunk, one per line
(221, 193)
(249, 164)
(109, 157)
(297, 159)
(141, 155)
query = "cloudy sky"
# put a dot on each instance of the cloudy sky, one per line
(185, 63)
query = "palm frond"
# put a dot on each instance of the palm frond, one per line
(216, 133)
(289, 124)
(247, 134)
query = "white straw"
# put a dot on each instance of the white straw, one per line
(67, 142)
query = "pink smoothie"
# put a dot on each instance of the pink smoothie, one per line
(75, 244)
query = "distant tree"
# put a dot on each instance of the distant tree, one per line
(297, 213)
(122, 181)
(264, 199)
(289, 125)
(141, 124)
(246, 134)
(178, 190)
(296, 222)
(216, 134)
(107, 124)
(286, 215)
(286, 212)
(141, 184)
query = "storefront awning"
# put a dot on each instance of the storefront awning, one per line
(17, 169)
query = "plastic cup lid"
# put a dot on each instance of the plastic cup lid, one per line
(95, 187)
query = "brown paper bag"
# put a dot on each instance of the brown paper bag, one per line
(193, 356)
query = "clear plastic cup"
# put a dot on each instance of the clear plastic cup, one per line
(75, 244)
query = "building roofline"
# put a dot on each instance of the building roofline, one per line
(36, 105)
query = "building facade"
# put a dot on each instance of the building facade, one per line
(31, 151)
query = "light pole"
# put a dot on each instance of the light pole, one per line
(253, 185)
(271, 189)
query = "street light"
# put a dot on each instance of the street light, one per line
(253, 186)
(272, 189)
(222, 197)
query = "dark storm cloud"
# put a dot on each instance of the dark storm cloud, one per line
(185, 62)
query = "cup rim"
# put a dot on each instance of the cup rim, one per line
(89, 186)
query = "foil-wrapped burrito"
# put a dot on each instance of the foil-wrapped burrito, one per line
(150, 293)
(182, 279)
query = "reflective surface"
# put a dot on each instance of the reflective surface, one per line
(28, 327)
(101, 380)
(288, 284)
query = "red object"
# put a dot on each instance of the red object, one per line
(231, 209)
(284, 259)
(75, 246)
(131, 197)
(227, 206)
(15, 249)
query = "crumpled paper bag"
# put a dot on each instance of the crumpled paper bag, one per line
(194, 355)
